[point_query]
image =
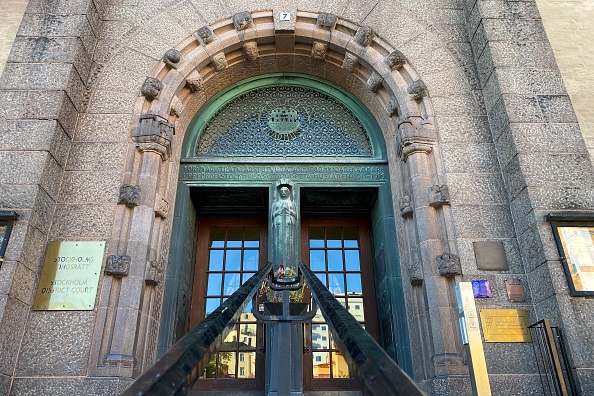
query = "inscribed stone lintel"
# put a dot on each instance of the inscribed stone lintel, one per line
(505, 325)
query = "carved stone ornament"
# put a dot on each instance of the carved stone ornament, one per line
(415, 135)
(416, 275)
(392, 107)
(250, 49)
(176, 108)
(161, 207)
(195, 82)
(448, 265)
(319, 50)
(417, 90)
(206, 35)
(395, 60)
(219, 61)
(154, 133)
(130, 195)
(350, 62)
(364, 36)
(326, 20)
(242, 20)
(438, 195)
(406, 209)
(374, 82)
(154, 274)
(118, 266)
(151, 88)
(172, 58)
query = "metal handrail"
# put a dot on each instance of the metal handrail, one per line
(179, 368)
(373, 369)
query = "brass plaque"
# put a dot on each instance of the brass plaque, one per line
(70, 276)
(505, 325)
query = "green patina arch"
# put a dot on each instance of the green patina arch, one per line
(344, 171)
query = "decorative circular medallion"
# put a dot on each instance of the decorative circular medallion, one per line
(284, 124)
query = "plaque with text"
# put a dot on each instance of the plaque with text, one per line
(70, 276)
(505, 325)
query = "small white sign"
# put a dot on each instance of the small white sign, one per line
(285, 16)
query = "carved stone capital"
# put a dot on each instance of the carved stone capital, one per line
(195, 82)
(161, 207)
(129, 195)
(438, 195)
(243, 20)
(417, 90)
(172, 58)
(415, 273)
(364, 36)
(153, 274)
(154, 133)
(250, 49)
(415, 135)
(176, 108)
(205, 34)
(117, 266)
(319, 50)
(395, 60)
(326, 20)
(406, 209)
(151, 88)
(448, 265)
(350, 62)
(374, 82)
(392, 107)
(219, 61)
(414, 148)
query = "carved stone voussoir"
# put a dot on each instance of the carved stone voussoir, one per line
(151, 88)
(176, 108)
(448, 265)
(154, 274)
(154, 133)
(161, 207)
(350, 62)
(416, 274)
(438, 195)
(205, 34)
(250, 49)
(172, 58)
(130, 195)
(395, 60)
(417, 90)
(406, 209)
(326, 20)
(195, 82)
(117, 266)
(219, 61)
(319, 50)
(374, 82)
(364, 36)
(243, 20)
(392, 107)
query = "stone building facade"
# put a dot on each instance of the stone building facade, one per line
(474, 142)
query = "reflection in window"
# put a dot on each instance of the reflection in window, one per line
(577, 249)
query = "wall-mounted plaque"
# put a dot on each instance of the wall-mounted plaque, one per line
(505, 325)
(70, 276)
(515, 290)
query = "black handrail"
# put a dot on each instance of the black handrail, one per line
(179, 368)
(374, 370)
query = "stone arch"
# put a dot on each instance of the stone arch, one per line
(383, 79)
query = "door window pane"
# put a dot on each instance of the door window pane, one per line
(334, 235)
(351, 237)
(354, 283)
(351, 259)
(214, 284)
(234, 237)
(215, 262)
(335, 260)
(336, 283)
(232, 283)
(233, 260)
(252, 237)
(317, 261)
(316, 237)
(217, 237)
(250, 260)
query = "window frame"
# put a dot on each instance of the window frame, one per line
(7, 219)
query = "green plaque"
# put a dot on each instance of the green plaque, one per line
(70, 276)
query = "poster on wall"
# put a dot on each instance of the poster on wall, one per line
(70, 276)
(577, 252)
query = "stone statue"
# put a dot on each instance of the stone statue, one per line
(284, 228)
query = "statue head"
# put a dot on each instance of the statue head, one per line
(284, 192)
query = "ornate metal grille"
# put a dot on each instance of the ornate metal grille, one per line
(284, 121)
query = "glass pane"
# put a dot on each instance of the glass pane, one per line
(319, 337)
(214, 284)
(252, 237)
(340, 368)
(336, 283)
(351, 258)
(210, 369)
(234, 237)
(316, 237)
(354, 283)
(216, 260)
(351, 237)
(335, 260)
(248, 309)
(232, 283)
(247, 365)
(212, 304)
(321, 364)
(250, 260)
(322, 278)
(317, 260)
(248, 335)
(233, 260)
(227, 364)
(230, 343)
(318, 317)
(217, 237)
(245, 276)
(356, 308)
(578, 246)
(334, 237)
